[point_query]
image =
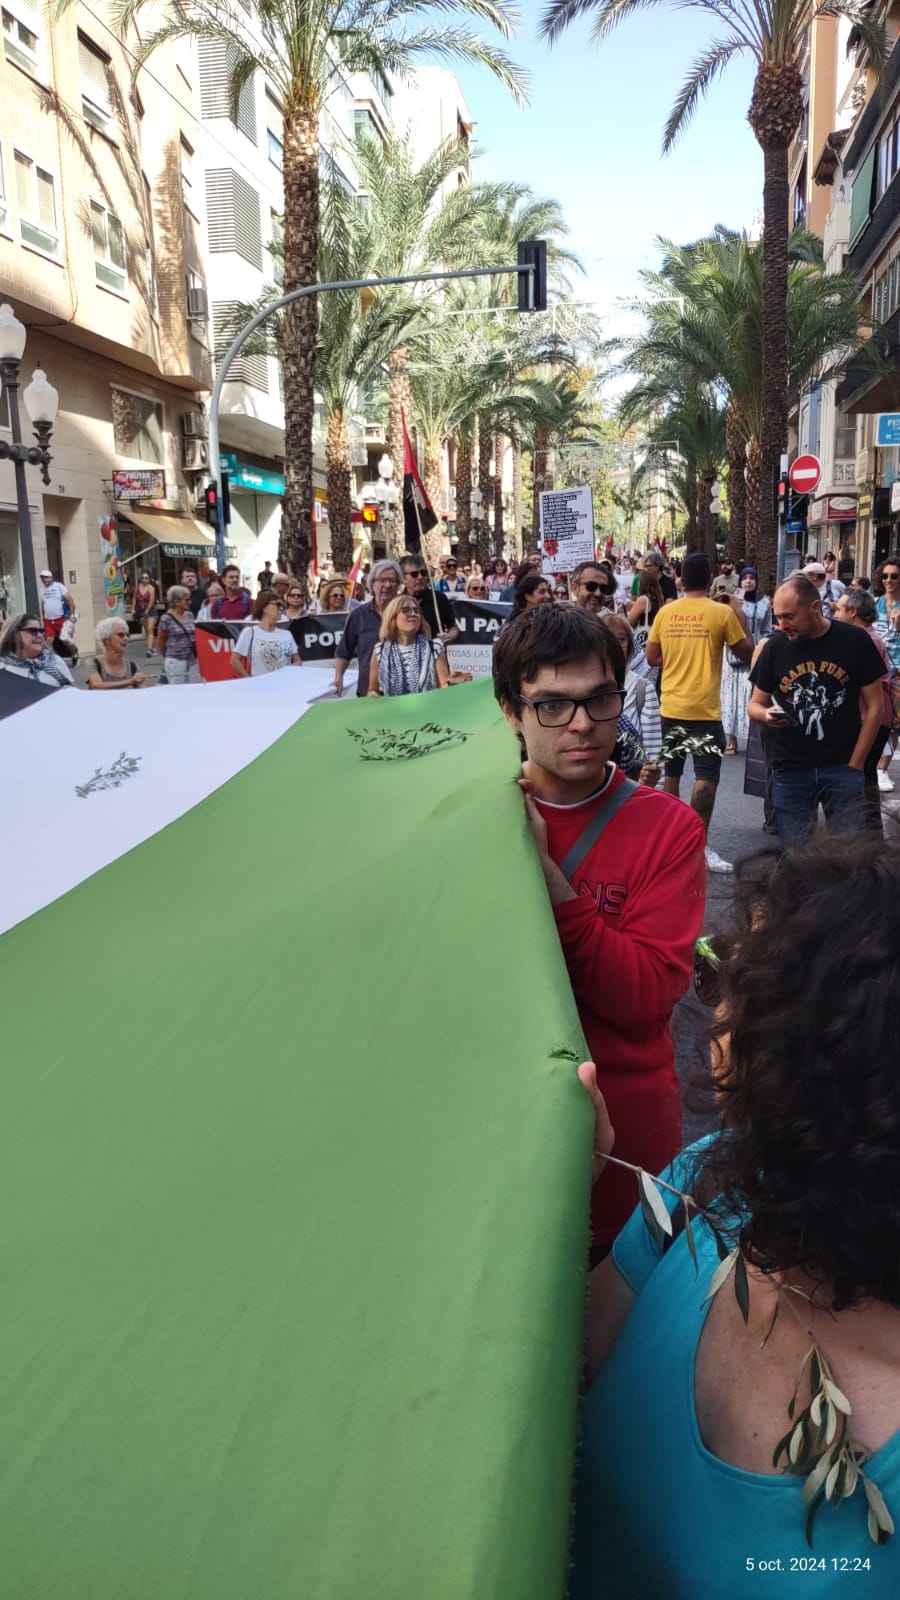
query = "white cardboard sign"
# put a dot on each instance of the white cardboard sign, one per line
(567, 528)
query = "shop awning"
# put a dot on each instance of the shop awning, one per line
(179, 536)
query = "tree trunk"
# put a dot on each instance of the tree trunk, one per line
(301, 241)
(692, 536)
(431, 477)
(736, 451)
(709, 520)
(518, 505)
(399, 402)
(499, 453)
(486, 488)
(775, 111)
(340, 505)
(543, 466)
(753, 479)
(463, 489)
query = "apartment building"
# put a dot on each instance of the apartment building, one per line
(101, 257)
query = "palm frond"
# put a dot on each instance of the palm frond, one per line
(696, 86)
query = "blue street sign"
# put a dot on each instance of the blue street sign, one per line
(795, 525)
(888, 430)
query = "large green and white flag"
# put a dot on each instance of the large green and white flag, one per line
(294, 1178)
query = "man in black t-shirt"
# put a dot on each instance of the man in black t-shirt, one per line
(415, 581)
(817, 687)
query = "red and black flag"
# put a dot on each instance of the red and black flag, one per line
(418, 512)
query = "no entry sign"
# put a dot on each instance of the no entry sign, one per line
(804, 474)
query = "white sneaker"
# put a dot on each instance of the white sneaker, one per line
(885, 783)
(715, 863)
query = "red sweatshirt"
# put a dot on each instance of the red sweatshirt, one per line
(628, 940)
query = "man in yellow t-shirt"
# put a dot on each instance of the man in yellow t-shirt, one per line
(687, 641)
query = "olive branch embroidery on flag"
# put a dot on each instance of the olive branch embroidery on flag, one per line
(123, 767)
(383, 745)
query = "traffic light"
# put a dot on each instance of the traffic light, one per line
(370, 515)
(211, 501)
(781, 494)
(532, 285)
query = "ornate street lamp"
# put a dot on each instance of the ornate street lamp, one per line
(387, 493)
(42, 404)
(476, 506)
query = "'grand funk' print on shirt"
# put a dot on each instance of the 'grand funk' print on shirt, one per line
(811, 692)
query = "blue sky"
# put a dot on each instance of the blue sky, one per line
(591, 138)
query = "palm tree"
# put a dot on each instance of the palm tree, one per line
(705, 324)
(773, 33)
(304, 48)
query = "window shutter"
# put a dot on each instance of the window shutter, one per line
(861, 201)
(94, 69)
(252, 370)
(216, 65)
(233, 215)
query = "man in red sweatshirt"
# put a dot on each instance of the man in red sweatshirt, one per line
(625, 873)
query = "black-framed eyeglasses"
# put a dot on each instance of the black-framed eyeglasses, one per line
(604, 706)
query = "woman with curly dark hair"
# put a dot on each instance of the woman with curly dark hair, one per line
(689, 1419)
(531, 590)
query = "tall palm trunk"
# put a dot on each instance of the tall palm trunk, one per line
(431, 477)
(693, 539)
(301, 237)
(399, 403)
(736, 451)
(485, 486)
(709, 519)
(775, 111)
(518, 504)
(338, 468)
(499, 453)
(754, 492)
(463, 489)
(543, 467)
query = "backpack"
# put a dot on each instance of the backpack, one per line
(245, 602)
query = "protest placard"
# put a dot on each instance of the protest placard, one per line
(567, 528)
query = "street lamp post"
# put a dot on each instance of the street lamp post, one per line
(476, 505)
(387, 493)
(42, 404)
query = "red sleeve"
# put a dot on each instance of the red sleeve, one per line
(640, 970)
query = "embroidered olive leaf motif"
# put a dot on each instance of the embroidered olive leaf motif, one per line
(123, 767)
(385, 745)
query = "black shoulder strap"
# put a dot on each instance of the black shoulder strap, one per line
(592, 830)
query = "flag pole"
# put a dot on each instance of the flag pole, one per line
(407, 442)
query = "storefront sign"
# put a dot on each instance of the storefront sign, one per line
(865, 505)
(895, 495)
(182, 552)
(887, 429)
(257, 479)
(140, 485)
(862, 467)
(841, 508)
(113, 584)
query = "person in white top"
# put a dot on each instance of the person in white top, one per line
(263, 646)
(55, 597)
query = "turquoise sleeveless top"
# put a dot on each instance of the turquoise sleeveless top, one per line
(658, 1517)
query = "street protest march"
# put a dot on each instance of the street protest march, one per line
(307, 1302)
(318, 635)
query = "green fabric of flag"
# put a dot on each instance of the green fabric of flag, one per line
(294, 1190)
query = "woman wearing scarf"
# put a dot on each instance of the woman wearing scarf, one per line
(23, 650)
(405, 659)
(736, 674)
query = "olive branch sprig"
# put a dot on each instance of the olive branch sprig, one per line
(818, 1445)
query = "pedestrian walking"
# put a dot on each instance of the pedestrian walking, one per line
(146, 609)
(263, 646)
(808, 685)
(641, 706)
(688, 640)
(265, 579)
(437, 609)
(176, 636)
(623, 866)
(497, 577)
(801, 1183)
(593, 588)
(333, 595)
(726, 581)
(364, 626)
(450, 581)
(24, 652)
(111, 667)
(477, 589)
(235, 604)
(57, 605)
(532, 590)
(214, 592)
(735, 670)
(405, 659)
(829, 589)
(858, 608)
(189, 582)
(642, 613)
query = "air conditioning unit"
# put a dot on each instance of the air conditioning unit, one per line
(196, 455)
(197, 305)
(194, 425)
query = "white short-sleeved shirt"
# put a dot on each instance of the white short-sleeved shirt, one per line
(266, 652)
(53, 601)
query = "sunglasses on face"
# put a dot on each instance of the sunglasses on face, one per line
(596, 588)
(37, 633)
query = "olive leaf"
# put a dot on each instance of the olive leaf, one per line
(723, 1272)
(877, 1510)
(653, 1203)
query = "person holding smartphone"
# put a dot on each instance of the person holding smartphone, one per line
(809, 685)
